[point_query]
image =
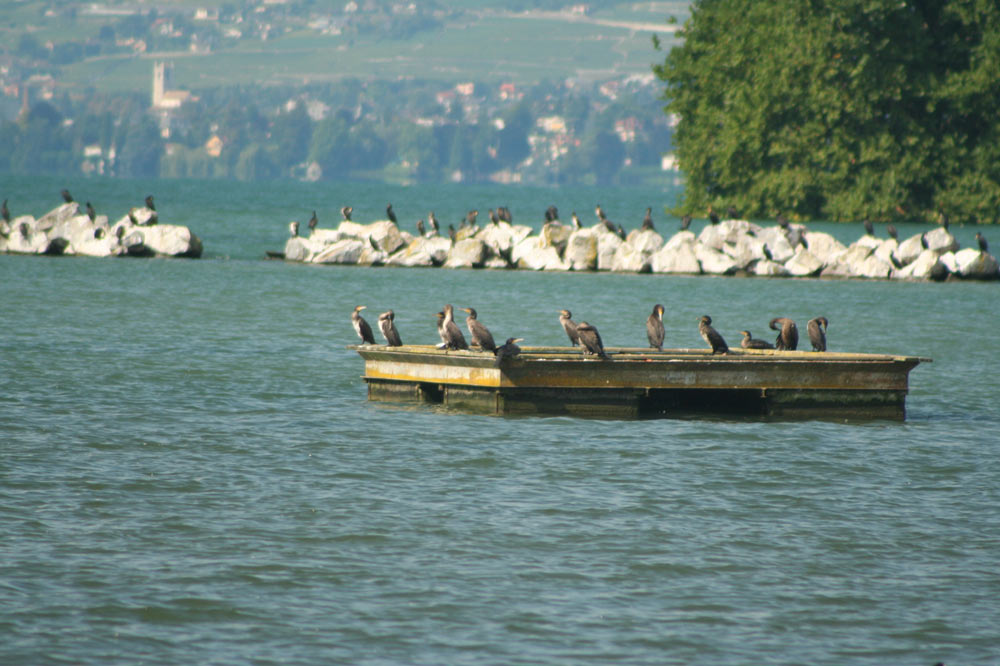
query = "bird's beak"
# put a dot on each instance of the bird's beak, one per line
(518, 339)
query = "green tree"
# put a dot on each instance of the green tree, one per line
(839, 110)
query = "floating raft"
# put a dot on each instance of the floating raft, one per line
(641, 383)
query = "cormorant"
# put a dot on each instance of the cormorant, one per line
(788, 333)
(371, 241)
(449, 331)
(361, 327)
(943, 220)
(654, 328)
(494, 218)
(293, 227)
(506, 216)
(712, 217)
(551, 214)
(749, 342)
(817, 333)
(565, 318)
(600, 213)
(647, 222)
(470, 217)
(67, 197)
(685, 223)
(386, 323)
(891, 230)
(434, 223)
(149, 202)
(5, 212)
(313, 221)
(782, 221)
(869, 228)
(481, 336)
(576, 221)
(346, 211)
(983, 245)
(590, 340)
(452, 233)
(923, 241)
(507, 350)
(711, 336)
(90, 212)
(390, 214)
(420, 228)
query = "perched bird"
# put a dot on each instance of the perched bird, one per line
(576, 221)
(923, 240)
(450, 334)
(481, 336)
(869, 228)
(685, 223)
(470, 217)
(551, 214)
(749, 342)
(99, 233)
(712, 217)
(600, 213)
(386, 323)
(420, 228)
(361, 326)
(654, 328)
(293, 227)
(506, 216)
(452, 233)
(390, 214)
(788, 333)
(711, 336)
(891, 230)
(67, 197)
(5, 212)
(590, 340)
(983, 245)
(494, 217)
(90, 212)
(943, 220)
(434, 223)
(647, 222)
(345, 212)
(508, 349)
(782, 221)
(565, 318)
(149, 202)
(313, 221)
(817, 333)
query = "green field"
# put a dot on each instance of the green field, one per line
(488, 48)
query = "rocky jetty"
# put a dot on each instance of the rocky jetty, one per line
(731, 247)
(65, 230)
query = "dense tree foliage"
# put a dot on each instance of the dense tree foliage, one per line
(846, 109)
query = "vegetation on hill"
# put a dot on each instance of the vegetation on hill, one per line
(859, 109)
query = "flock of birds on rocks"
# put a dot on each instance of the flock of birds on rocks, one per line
(585, 335)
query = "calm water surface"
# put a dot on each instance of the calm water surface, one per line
(190, 471)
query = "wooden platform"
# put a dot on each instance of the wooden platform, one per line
(638, 383)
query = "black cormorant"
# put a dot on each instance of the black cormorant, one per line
(711, 336)
(647, 222)
(345, 212)
(654, 328)
(788, 333)
(494, 218)
(685, 223)
(817, 333)
(390, 214)
(450, 334)
(600, 213)
(313, 221)
(576, 221)
(420, 228)
(551, 214)
(361, 326)
(67, 197)
(149, 202)
(983, 245)
(565, 318)
(621, 232)
(869, 228)
(387, 324)
(470, 217)
(891, 230)
(712, 217)
(90, 212)
(943, 220)
(480, 335)
(452, 233)
(508, 349)
(433, 222)
(782, 221)
(750, 342)
(590, 340)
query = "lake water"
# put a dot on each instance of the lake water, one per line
(191, 473)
